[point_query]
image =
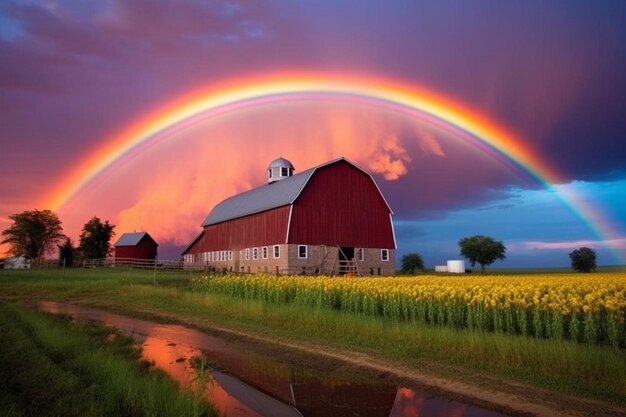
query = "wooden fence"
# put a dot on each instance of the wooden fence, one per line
(162, 264)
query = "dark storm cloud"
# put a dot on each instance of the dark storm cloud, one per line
(70, 76)
(551, 71)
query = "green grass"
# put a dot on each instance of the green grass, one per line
(50, 366)
(567, 367)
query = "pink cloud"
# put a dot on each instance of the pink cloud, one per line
(618, 243)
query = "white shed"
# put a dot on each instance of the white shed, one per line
(16, 262)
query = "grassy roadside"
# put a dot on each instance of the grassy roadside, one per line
(571, 368)
(50, 366)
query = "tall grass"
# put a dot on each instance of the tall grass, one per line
(567, 306)
(53, 367)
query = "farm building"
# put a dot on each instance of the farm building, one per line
(16, 262)
(330, 219)
(136, 245)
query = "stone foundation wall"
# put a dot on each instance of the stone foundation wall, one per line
(373, 265)
(320, 260)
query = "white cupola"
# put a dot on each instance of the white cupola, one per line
(279, 169)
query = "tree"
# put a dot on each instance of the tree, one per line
(483, 250)
(66, 252)
(33, 233)
(412, 262)
(583, 259)
(95, 238)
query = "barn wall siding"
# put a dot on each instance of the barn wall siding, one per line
(260, 229)
(341, 206)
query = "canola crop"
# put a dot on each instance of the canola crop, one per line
(580, 307)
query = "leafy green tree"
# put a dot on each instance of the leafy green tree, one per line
(412, 262)
(95, 238)
(483, 250)
(583, 259)
(34, 233)
(66, 252)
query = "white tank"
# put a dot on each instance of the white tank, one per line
(456, 267)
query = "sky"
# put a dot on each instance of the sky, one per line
(76, 76)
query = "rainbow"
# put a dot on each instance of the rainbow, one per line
(180, 114)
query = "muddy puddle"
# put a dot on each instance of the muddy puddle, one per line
(245, 382)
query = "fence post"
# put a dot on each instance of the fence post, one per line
(63, 268)
(155, 270)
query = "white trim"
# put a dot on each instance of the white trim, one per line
(255, 254)
(361, 254)
(393, 232)
(289, 223)
(265, 252)
(306, 252)
(247, 254)
(274, 251)
(382, 258)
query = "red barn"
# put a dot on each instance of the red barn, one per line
(137, 245)
(330, 219)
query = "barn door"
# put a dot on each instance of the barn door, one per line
(346, 261)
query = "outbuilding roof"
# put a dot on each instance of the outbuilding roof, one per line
(266, 197)
(132, 239)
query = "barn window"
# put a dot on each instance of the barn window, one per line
(230, 255)
(255, 253)
(284, 172)
(302, 251)
(247, 254)
(384, 254)
(362, 254)
(276, 251)
(264, 252)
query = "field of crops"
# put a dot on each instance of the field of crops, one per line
(582, 307)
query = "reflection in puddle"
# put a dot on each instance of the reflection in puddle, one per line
(246, 383)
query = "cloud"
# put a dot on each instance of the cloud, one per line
(389, 159)
(616, 244)
(429, 143)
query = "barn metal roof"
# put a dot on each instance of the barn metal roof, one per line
(269, 196)
(266, 197)
(131, 239)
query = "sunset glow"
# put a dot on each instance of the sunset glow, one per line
(151, 128)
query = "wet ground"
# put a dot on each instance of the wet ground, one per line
(246, 382)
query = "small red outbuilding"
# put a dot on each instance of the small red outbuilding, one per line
(136, 245)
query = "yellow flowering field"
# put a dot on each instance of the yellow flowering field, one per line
(587, 308)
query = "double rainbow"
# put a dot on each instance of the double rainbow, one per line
(241, 94)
